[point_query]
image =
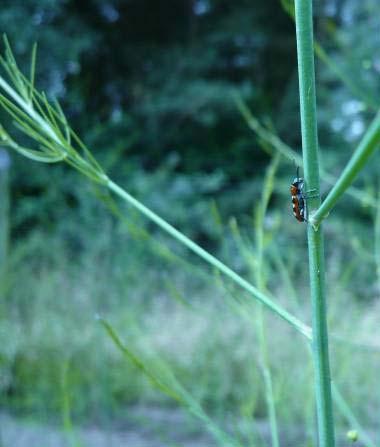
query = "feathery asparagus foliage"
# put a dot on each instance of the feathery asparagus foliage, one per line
(42, 121)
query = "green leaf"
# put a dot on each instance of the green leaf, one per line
(32, 71)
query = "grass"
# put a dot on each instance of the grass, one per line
(209, 359)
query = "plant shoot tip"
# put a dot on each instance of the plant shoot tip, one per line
(352, 435)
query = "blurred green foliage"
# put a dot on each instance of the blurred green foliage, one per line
(148, 86)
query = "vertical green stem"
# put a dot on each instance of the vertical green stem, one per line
(261, 285)
(305, 53)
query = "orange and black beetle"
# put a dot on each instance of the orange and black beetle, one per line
(298, 198)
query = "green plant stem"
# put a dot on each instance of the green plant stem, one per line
(210, 259)
(261, 285)
(279, 145)
(72, 437)
(305, 53)
(346, 411)
(28, 109)
(369, 143)
(355, 88)
(162, 378)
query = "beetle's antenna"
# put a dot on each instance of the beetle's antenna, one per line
(297, 168)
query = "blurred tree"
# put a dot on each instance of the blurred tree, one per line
(171, 65)
(149, 82)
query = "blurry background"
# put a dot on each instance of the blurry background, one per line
(148, 85)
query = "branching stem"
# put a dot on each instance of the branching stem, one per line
(305, 52)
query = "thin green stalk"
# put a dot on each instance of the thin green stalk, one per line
(355, 88)
(162, 378)
(279, 145)
(287, 282)
(305, 53)
(346, 411)
(261, 285)
(367, 146)
(210, 259)
(255, 263)
(72, 437)
(28, 110)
